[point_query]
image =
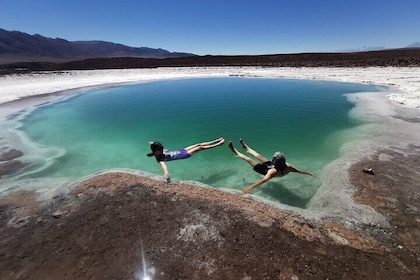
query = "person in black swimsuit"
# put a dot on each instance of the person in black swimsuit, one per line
(277, 167)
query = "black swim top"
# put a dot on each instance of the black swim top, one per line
(263, 168)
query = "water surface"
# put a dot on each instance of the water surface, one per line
(110, 128)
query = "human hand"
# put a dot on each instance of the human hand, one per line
(247, 189)
(167, 177)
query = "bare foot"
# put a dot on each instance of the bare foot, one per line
(231, 147)
(243, 144)
(217, 142)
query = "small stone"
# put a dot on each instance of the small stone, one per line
(56, 214)
(368, 170)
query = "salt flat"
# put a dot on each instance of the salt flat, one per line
(404, 82)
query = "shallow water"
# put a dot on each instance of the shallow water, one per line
(110, 128)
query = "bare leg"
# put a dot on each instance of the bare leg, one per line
(252, 152)
(242, 156)
(209, 142)
(204, 146)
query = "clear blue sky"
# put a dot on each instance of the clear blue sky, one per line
(224, 27)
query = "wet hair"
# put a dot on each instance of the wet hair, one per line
(279, 161)
(155, 146)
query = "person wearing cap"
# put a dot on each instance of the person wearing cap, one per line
(277, 167)
(162, 155)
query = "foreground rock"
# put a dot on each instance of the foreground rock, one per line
(113, 226)
(393, 191)
(8, 161)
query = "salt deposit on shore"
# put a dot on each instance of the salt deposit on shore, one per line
(405, 82)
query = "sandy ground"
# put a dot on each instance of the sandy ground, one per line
(119, 225)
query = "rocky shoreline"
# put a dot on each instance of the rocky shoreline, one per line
(105, 226)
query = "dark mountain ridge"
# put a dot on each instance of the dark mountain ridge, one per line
(17, 46)
(394, 58)
(58, 54)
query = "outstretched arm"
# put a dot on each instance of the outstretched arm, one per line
(268, 176)
(294, 169)
(165, 170)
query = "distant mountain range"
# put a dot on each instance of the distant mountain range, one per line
(368, 49)
(414, 45)
(17, 46)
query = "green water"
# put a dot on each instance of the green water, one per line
(110, 128)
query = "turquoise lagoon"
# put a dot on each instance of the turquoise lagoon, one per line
(110, 128)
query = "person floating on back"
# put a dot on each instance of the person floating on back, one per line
(162, 155)
(277, 167)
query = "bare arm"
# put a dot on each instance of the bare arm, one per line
(270, 174)
(165, 170)
(294, 169)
